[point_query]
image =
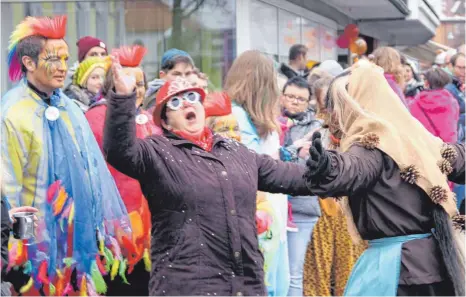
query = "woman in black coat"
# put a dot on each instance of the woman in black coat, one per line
(201, 189)
(395, 175)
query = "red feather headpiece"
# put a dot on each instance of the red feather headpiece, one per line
(217, 104)
(51, 28)
(130, 56)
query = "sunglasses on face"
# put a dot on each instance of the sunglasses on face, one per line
(176, 102)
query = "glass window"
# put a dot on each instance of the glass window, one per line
(264, 28)
(205, 29)
(275, 30)
(327, 41)
(289, 32)
(311, 38)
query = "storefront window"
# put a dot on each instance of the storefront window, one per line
(289, 33)
(274, 30)
(206, 29)
(264, 28)
(311, 38)
(327, 40)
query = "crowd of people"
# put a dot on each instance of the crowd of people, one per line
(289, 181)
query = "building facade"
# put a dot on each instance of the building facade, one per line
(451, 31)
(214, 32)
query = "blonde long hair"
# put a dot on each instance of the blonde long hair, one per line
(365, 106)
(252, 84)
(345, 108)
(390, 60)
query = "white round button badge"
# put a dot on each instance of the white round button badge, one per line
(52, 113)
(141, 119)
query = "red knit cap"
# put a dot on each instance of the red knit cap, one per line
(86, 43)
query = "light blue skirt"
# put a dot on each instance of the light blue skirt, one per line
(377, 271)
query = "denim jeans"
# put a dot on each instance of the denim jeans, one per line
(278, 276)
(459, 191)
(297, 247)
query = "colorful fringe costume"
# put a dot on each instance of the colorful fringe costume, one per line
(55, 165)
(129, 188)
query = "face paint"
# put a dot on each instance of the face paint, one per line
(53, 61)
(52, 65)
(227, 126)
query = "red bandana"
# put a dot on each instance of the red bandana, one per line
(205, 140)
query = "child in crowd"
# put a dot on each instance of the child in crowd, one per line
(303, 212)
(87, 82)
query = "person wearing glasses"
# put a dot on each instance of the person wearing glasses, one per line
(201, 189)
(302, 213)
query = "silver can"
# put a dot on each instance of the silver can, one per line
(23, 227)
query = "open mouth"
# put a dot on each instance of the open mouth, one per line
(190, 116)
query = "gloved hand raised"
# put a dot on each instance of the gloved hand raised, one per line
(318, 163)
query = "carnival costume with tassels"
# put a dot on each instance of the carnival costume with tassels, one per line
(130, 189)
(389, 169)
(51, 161)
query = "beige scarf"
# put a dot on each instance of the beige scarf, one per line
(372, 114)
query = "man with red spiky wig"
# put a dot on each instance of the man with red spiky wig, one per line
(139, 259)
(51, 161)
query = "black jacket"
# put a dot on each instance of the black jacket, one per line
(204, 236)
(384, 205)
(289, 72)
